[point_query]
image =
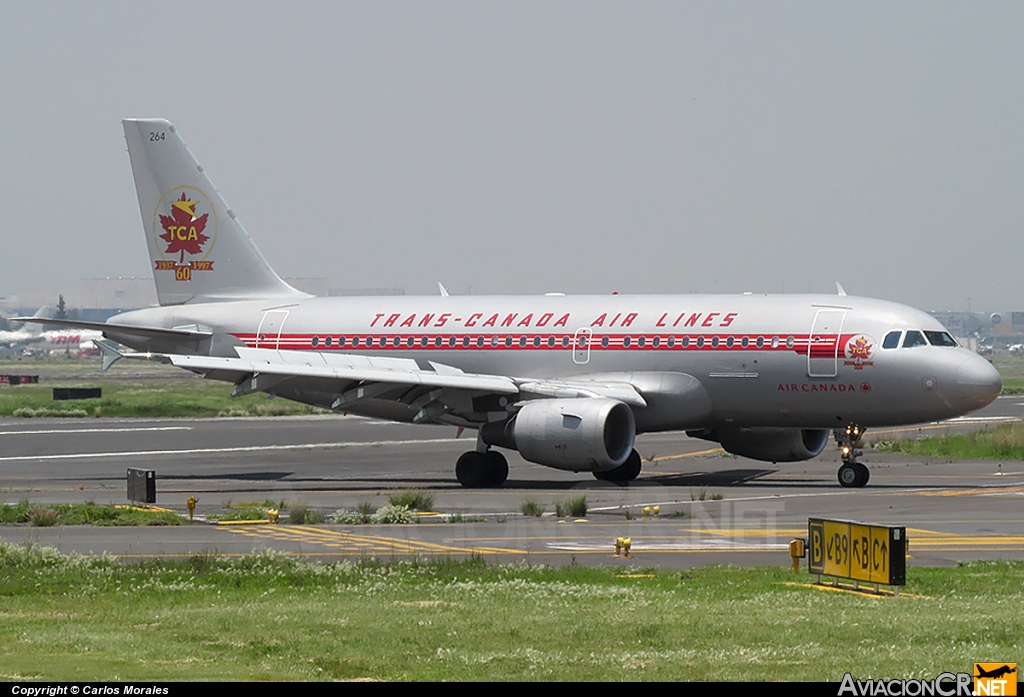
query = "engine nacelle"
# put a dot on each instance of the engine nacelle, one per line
(589, 434)
(771, 444)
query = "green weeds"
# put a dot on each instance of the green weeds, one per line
(573, 507)
(84, 514)
(531, 507)
(413, 499)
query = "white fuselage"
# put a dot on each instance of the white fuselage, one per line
(807, 361)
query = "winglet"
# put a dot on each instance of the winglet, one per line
(444, 291)
(840, 289)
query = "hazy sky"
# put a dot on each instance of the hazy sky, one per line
(521, 147)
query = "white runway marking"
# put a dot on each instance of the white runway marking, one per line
(211, 451)
(978, 419)
(95, 430)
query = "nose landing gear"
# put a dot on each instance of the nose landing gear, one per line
(851, 473)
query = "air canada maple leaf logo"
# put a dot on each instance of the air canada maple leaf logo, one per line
(858, 351)
(182, 228)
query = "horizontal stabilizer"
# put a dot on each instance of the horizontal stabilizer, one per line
(154, 339)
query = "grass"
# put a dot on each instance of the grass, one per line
(129, 389)
(413, 499)
(271, 617)
(84, 514)
(532, 508)
(574, 507)
(301, 514)
(1006, 442)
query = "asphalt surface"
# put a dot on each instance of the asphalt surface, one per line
(714, 508)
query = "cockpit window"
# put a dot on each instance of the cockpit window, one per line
(914, 338)
(940, 338)
(892, 340)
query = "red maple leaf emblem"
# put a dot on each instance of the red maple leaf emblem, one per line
(183, 231)
(861, 348)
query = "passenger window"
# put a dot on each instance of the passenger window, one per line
(892, 340)
(914, 338)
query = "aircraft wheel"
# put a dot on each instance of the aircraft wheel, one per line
(848, 475)
(497, 468)
(471, 469)
(478, 470)
(863, 474)
(626, 472)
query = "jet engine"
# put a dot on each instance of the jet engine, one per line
(589, 434)
(769, 444)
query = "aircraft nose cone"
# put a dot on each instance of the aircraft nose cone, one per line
(979, 381)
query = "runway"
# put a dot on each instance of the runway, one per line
(714, 508)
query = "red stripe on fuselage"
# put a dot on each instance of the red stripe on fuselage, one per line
(824, 346)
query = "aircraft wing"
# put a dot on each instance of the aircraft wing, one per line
(341, 366)
(415, 382)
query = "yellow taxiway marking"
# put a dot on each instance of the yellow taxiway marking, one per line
(977, 491)
(363, 543)
(694, 539)
(698, 453)
(866, 592)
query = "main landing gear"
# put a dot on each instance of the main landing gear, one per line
(626, 472)
(477, 469)
(852, 474)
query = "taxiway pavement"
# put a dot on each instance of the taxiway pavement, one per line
(714, 508)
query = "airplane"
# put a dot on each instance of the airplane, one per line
(996, 672)
(61, 340)
(567, 381)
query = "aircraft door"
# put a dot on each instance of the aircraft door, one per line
(269, 333)
(581, 346)
(823, 343)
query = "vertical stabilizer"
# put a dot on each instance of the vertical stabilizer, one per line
(199, 250)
